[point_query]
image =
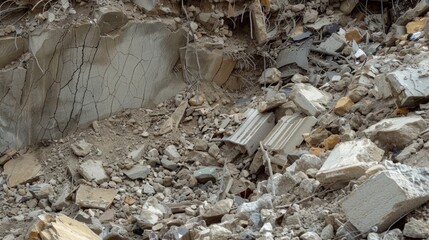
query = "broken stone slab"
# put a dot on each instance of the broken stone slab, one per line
(41, 190)
(253, 130)
(269, 76)
(386, 197)
(23, 169)
(309, 99)
(215, 213)
(138, 172)
(396, 133)
(147, 5)
(288, 133)
(205, 159)
(410, 85)
(349, 160)
(61, 201)
(421, 8)
(137, 154)
(206, 174)
(172, 123)
(89, 197)
(258, 20)
(295, 55)
(347, 6)
(272, 102)
(93, 170)
(9, 154)
(335, 43)
(416, 228)
(81, 148)
(171, 152)
(51, 227)
(382, 86)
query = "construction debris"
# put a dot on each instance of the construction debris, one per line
(89, 197)
(388, 196)
(349, 160)
(309, 99)
(22, 170)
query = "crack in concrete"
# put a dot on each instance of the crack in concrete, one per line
(85, 76)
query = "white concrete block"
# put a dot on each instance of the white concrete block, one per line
(387, 197)
(396, 132)
(309, 99)
(349, 160)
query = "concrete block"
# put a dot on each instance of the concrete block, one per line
(387, 197)
(89, 197)
(349, 160)
(288, 133)
(410, 85)
(309, 99)
(93, 170)
(334, 43)
(394, 133)
(253, 130)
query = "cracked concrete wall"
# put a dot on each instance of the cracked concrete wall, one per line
(78, 75)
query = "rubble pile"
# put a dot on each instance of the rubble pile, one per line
(248, 119)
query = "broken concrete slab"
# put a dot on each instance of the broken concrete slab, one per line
(50, 227)
(396, 133)
(387, 196)
(295, 55)
(349, 160)
(269, 76)
(288, 133)
(147, 5)
(253, 130)
(23, 169)
(138, 172)
(272, 102)
(347, 6)
(382, 86)
(410, 85)
(81, 148)
(98, 93)
(335, 43)
(89, 197)
(171, 152)
(215, 212)
(172, 123)
(416, 228)
(421, 8)
(137, 154)
(258, 20)
(309, 99)
(93, 170)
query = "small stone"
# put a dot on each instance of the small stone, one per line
(416, 229)
(138, 172)
(168, 164)
(331, 141)
(201, 145)
(81, 148)
(310, 16)
(214, 150)
(90, 197)
(373, 236)
(41, 190)
(327, 232)
(145, 134)
(269, 76)
(148, 189)
(343, 106)
(206, 174)
(172, 152)
(137, 154)
(297, 7)
(197, 100)
(93, 170)
(310, 236)
(307, 161)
